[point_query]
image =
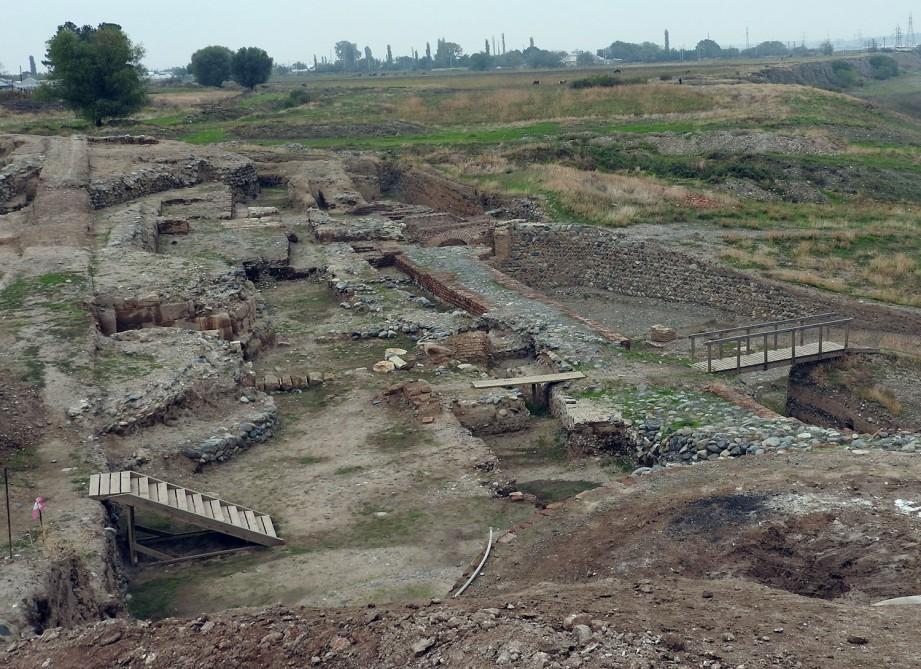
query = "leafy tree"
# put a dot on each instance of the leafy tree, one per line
(447, 54)
(537, 58)
(347, 54)
(585, 58)
(709, 49)
(251, 66)
(480, 62)
(767, 49)
(389, 55)
(299, 65)
(827, 48)
(211, 66)
(97, 71)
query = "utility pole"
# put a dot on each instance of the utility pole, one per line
(748, 43)
(911, 31)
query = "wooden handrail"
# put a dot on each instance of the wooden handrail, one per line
(800, 328)
(758, 326)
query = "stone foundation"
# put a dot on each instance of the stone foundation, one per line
(553, 256)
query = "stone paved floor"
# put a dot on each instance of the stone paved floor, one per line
(547, 326)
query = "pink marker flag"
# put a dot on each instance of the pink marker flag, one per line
(38, 507)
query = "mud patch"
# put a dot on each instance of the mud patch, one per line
(715, 514)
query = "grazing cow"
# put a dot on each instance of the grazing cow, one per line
(617, 71)
(563, 82)
(536, 82)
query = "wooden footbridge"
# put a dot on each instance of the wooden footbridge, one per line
(133, 490)
(774, 344)
(540, 385)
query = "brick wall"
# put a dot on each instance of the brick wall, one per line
(443, 286)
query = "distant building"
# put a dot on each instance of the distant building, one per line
(571, 59)
(6, 85)
(27, 85)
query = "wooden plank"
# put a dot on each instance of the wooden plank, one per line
(171, 497)
(126, 483)
(152, 552)
(251, 520)
(216, 511)
(94, 485)
(256, 524)
(115, 483)
(234, 515)
(192, 518)
(182, 502)
(203, 556)
(269, 527)
(135, 488)
(775, 357)
(154, 491)
(104, 480)
(199, 505)
(144, 487)
(163, 493)
(527, 380)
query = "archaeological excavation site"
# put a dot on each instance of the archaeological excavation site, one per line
(315, 390)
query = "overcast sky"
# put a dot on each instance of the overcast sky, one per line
(291, 30)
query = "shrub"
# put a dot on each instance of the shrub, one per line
(884, 67)
(603, 81)
(844, 74)
(296, 98)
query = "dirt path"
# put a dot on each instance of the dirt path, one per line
(49, 335)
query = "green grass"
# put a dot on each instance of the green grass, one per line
(348, 471)
(115, 365)
(400, 437)
(549, 491)
(155, 598)
(307, 460)
(205, 136)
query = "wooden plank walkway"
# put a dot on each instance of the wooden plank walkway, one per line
(528, 380)
(775, 358)
(188, 506)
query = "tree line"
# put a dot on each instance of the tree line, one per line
(348, 57)
(707, 49)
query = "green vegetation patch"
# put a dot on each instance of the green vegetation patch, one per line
(549, 491)
(156, 598)
(400, 437)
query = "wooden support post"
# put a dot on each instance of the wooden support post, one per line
(765, 351)
(847, 334)
(739, 354)
(802, 332)
(793, 348)
(748, 341)
(9, 519)
(821, 337)
(709, 357)
(693, 348)
(132, 547)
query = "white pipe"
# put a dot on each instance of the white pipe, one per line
(477, 570)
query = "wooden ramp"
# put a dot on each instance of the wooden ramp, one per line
(528, 380)
(766, 359)
(188, 506)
